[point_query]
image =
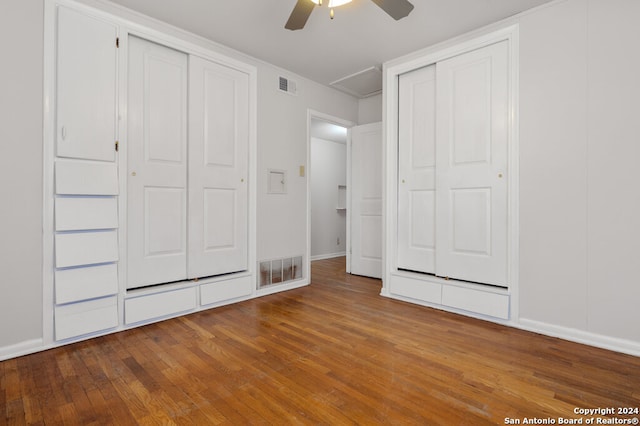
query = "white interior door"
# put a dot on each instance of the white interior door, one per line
(366, 200)
(157, 164)
(86, 87)
(218, 169)
(471, 165)
(416, 165)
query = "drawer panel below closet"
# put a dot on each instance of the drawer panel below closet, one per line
(86, 248)
(86, 317)
(90, 282)
(86, 178)
(158, 305)
(81, 213)
(477, 301)
(225, 290)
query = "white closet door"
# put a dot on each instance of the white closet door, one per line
(157, 164)
(416, 165)
(218, 168)
(86, 87)
(366, 200)
(471, 165)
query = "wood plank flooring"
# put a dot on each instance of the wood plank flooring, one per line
(333, 353)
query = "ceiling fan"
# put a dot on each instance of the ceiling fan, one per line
(397, 9)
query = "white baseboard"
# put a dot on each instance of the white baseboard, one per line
(598, 340)
(22, 348)
(328, 256)
(277, 288)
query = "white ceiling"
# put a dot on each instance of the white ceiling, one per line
(360, 36)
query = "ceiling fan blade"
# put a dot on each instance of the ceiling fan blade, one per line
(301, 12)
(397, 9)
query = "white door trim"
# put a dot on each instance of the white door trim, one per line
(311, 114)
(421, 59)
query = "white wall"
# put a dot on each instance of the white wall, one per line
(327, 170)
(370, 109)
(613, 203)
(553, 170)
(580, 147)
(282, 144)
(21, 171)
(281, 134)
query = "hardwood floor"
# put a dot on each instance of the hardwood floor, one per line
(334, 352)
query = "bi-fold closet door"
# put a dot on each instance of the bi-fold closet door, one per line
(187, 166)
(452, 167)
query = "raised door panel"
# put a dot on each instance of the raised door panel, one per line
(86, 87)
(219, 232)
(471, 233)
(157, 164)
(471, 165)
(471, 112)
(366, 200)
(218, 169)
(416, 164)
(164, 221)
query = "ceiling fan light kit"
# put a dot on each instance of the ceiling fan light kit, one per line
(332, 3)
(397, 9)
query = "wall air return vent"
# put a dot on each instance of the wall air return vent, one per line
(286, 85)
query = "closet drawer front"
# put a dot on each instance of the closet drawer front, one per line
(86, 178)
(225, 290)
(86, 248)
(416, 289)
(477, 301)
(89, 282)
(86, 317)
(159, 305)
(79, 213)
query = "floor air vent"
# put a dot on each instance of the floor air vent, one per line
(279, 271)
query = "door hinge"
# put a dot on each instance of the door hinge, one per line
(117, 42)
(117, 143)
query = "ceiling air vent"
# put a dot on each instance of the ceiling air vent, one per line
(286, 85)
(362, 84)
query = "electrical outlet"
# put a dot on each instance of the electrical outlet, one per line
(338, 241)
